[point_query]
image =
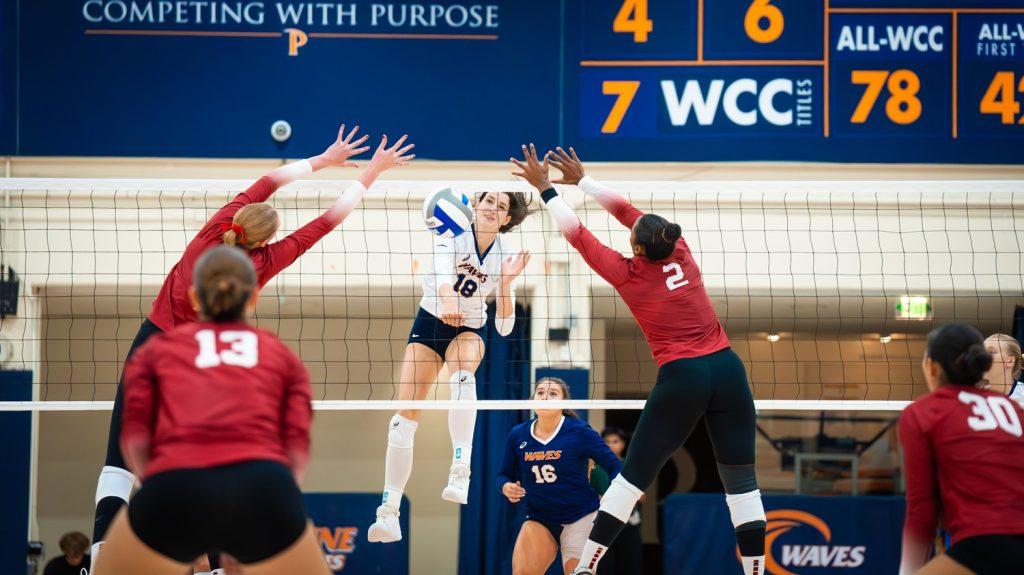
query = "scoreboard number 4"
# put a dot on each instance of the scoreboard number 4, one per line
(1001, 98)
(903, 106)
(632, 18)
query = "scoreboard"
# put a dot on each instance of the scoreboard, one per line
(933, 81)
(839, 80)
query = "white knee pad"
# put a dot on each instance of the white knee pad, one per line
(114, 482)
(463, 386)
(620, 499)
(745, 507)
(401, 432)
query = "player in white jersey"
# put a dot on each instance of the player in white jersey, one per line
(448, 331)
(1004, 377)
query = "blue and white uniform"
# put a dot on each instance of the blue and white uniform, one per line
(554, 474)
(474, 276)
(1017, 392)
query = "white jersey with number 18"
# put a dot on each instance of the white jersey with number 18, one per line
(473, 275)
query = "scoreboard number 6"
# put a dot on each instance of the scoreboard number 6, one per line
(764, 22)
(903, 107)
(632, 18)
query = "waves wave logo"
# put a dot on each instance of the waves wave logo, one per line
(801, 556)
(337, 543)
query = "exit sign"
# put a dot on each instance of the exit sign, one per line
(913, 307)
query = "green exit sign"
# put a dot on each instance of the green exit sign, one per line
(913, 307)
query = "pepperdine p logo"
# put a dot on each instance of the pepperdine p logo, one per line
(779, 560)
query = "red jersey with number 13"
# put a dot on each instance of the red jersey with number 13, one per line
(667, 297)
(963, 447)
(211, 394)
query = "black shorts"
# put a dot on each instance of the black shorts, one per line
(435, 334)
(114, 457)
(990, 554)
(251, 510)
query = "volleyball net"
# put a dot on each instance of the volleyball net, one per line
(826, 289)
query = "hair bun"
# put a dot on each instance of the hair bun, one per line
(969, 367)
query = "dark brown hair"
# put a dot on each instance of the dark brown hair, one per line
(960, 350)
(657, 235)
(74, 543)
(565, 392)
(518, 209)
(224, 280)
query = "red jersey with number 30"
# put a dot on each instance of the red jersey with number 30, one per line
(667, 297)
(210, 394)
(963, 448)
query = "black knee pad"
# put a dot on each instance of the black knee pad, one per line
(738, 478)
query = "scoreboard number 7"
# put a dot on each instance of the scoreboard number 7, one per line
(625, 91)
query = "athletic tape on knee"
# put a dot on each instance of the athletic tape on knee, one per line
(620, 499)
(738, 478)
(463, 386)
(745, 507)
(114, 482)
(401, 432)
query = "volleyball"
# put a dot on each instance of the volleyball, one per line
(447, 212)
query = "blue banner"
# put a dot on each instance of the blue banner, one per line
(621, 80)
(15, 470)
(341, 520)
(805, 536)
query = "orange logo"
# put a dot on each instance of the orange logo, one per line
(296, 39)
(542, 455)
(337, 544)
(797, 556)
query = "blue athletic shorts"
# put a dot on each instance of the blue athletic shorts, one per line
(435, 334)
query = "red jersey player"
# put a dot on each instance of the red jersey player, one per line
(964, 454)
(250, 224)
(216, 423)
(698, 374)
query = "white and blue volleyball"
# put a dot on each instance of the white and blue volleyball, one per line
(447, 212)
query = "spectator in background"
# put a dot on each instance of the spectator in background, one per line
(629, 547)
(73, 545)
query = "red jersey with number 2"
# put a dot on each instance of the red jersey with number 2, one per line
(963, 448)
(667, 297)
(209, 394)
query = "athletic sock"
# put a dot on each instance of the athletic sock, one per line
(398, 462)
(462, 422)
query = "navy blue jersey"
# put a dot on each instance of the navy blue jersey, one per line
(554, 472)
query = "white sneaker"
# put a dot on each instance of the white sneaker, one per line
(386, 529)
(458, 484)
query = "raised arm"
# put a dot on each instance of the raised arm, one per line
(337, 154)
(573, 174)
(140, 406)
(281, 254)
(608, 263)
(922, 494)
(505, 317)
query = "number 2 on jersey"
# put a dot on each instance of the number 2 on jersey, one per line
(544, 473)
(675, 280)
(990, 413)
(242, 353)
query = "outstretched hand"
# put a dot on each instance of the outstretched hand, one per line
(386, 158)
(532, 169)
(513, 266)
(569, 164)
(344, 148)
